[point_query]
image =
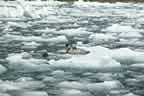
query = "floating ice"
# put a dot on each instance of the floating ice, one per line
(24, 62)
(54, 40)
(113, 84)
(74, 92)
(9, 86)
(28, 11)
(127, 56)
(4, 94)
(121, 28)
(34, 93)
(4, 87)
(58, 74)
(107, 84)
(100, 38)
(31, 45)
(49, 79)
(2, 69)
(79, 32)
(130, 42)
(100, 59)
(130, 94)
(96, 60)
(71, 85)
(104, 76)
(137, 66)
(22, 79)
(130, 35)
(15, 24)
(104, 88)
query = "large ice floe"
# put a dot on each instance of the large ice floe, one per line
(2, 69)
(71, 87)
(100, 59)
(77, 34)
(121, 28)
(127, 56)
(54, 40)
(96, 60)
(25, 63)
(22, 88)
(99, 38)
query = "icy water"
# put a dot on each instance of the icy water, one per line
(111, 26)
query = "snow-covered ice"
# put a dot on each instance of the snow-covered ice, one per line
(91, 61)
(24, 62)
(116, 28)
(99, 38)
(2, 69)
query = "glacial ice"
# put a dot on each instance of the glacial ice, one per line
(96, 60)
(130, 94)
(72, 85)
(117, 28)
(137, 66)
(100, 38)
(126, 56)
(24, 62)
(4, 94)
(130, 35)
(33, 93)
(80, 32)
(54, 40)
(74, 92)
(2, 69)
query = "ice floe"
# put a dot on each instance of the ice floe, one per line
(99, 38)
(96, 60)
(131, 35)
(54, 40)
(33, 93)
(4, 94)
(127, 56)
(74, 92)
(2, 69)
(72, 85)
(24, 62)
(117, 28)
(137, 66)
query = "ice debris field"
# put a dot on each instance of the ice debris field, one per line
(109, 62)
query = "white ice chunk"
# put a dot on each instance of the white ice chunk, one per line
(126, 55)
(58, 74)
(103, 88)
(2, 69)
(138, 66)
(130, 35)
(96, 60)
(54, 40)
(130, 94)
(99, 38)
(79, 32)
(74, 92)
(4, 87)
(121, 28)
(34, 93)
(24, 62)
(22, 79)
(4, 94)
(71, 85)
